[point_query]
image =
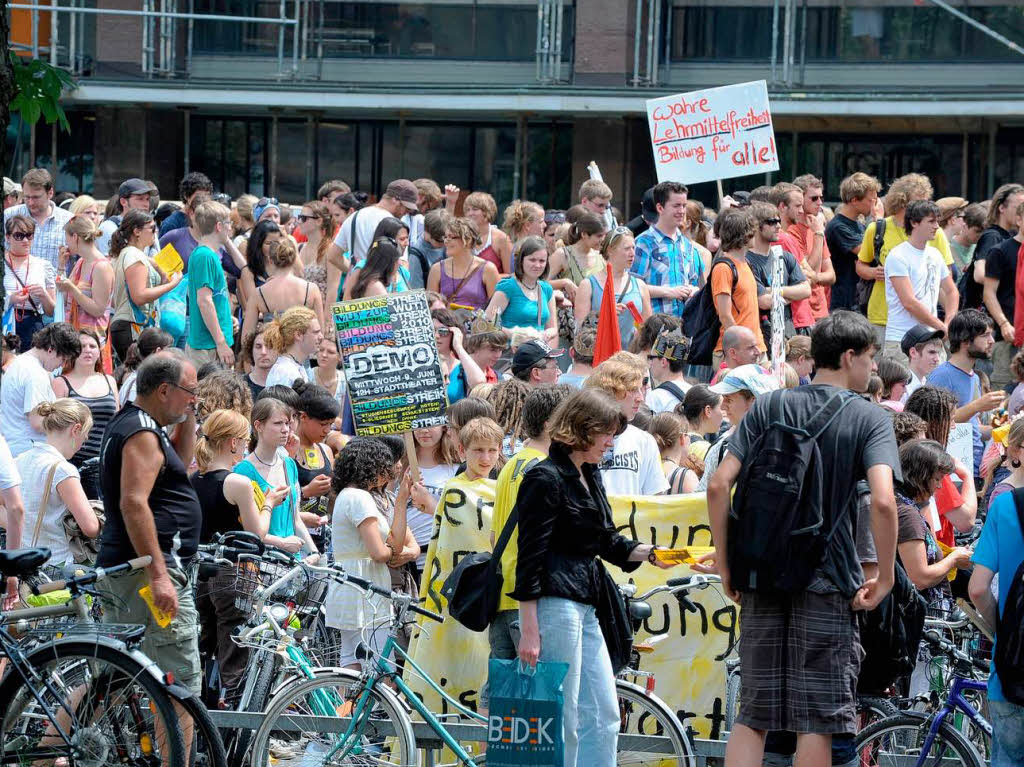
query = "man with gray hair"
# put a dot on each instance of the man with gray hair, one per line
(153, 510)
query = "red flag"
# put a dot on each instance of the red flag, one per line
(609, 340)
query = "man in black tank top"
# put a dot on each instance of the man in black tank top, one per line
(152, 509)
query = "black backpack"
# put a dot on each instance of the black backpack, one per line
(891, 633)
(1009, 652)
(672, 389)
(864, 287)
(777, 536)
(700, 320)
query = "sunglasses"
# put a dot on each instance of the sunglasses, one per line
(772, 221)
(443, 331)
(814, 197)
(303, 218)
(21, 236)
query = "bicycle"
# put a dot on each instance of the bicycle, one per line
(348, 717)
(918, 738)
(82, 693)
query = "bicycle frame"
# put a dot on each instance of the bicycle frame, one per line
(385, 670)
(956, 702)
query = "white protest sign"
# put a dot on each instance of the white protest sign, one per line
(713, 134)
(961, 445)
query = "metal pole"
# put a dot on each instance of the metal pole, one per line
(541, 38)
(786, 42)
(72, 40)
(145, 38)
(557, 47)
(775, 39)
(636, 41)
(803, 43)
(993, 127)
(190, 38)
(35, 29)
(657, 41)
(295, 38)
(320, 43)
(791, 15)
(978, 25)
(187, 137)
(120, 12)
(667, 36)
(53, 37)
(280, 42)
(650, 40)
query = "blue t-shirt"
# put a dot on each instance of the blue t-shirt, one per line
(205, 271)
(521, 311)
(1001, 549)
(966, 388)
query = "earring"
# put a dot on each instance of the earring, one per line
(1015, 463)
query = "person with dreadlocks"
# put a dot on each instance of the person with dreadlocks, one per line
(508, 398)
(950, 509)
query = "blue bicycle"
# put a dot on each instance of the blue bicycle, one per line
(916, 739)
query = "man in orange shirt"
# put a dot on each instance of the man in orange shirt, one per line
(735, 298)
(807, 225)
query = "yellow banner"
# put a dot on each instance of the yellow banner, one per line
(688, 663)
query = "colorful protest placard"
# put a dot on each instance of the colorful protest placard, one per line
(390, 363)
(688, 664)
(713, 134)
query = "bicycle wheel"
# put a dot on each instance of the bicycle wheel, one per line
(872, 708)
(241, 739)
(112, 710)
(641, 714)
(286, 738)
(732, 699)
(206, 749)
(900, 740)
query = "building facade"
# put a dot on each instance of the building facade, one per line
(514, 97)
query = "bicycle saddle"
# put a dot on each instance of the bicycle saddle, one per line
(21, 562)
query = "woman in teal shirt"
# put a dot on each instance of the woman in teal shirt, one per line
(269, 468)
(527, 300)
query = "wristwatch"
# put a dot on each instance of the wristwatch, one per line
(651, 557)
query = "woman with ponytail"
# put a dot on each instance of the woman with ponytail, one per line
(317, 226)
(91, 282)
(377, 276)
(282, 291)
(138, 282)
(51, 485)
(151, 341)
(228, 504)
(579, 257)
(523, 219)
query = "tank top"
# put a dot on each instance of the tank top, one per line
(488, 253)
(79, 317)
(177, 516)
(631, 293)
(269, 315)
(219, 514)
(573, 271)
(103, 409)
(282, 521)
(469, 291)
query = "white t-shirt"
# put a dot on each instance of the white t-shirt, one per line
(347, 608)
(661, 400)
(366, 224)
(926, 270)
(915, 384)
(285, 371)
(9, 476)
(25, 384)
(34, 466)
(37, 271)
(633, 465)
(422, 525)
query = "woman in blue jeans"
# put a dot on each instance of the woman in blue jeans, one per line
(565, 523)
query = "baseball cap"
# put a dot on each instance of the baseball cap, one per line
(133, 186)
(647, 207)
(919, 334)
(746, 377)
(742, 198)
(404, 191)
(11, 187)
(530, 353)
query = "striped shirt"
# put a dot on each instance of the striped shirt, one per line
(49, 236)
(665, 261)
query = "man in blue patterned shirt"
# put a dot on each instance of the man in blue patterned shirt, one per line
(37, 191)
(665, 259)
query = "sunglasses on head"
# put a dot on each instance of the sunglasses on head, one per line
(265, 201)
(554, 217)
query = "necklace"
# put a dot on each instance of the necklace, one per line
(272, 464)
(293, 358)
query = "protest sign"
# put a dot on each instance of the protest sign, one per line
(713, 134)
(390, 363)
(961, 445)
(688, 664)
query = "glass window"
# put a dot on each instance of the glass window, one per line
(336, 152)
(292, 143)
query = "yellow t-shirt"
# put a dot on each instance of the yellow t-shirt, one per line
(505, 493)
(878, 309)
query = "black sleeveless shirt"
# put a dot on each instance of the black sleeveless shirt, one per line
(219, 514)
(175, 506)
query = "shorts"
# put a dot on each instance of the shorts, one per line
(800, 655)
(175, 647)
(348, 641)
(200, 357)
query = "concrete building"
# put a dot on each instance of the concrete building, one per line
(516, 97)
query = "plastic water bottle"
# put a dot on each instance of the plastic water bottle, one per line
(314, 753)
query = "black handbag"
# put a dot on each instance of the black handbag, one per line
(473, 588)
(613, 615)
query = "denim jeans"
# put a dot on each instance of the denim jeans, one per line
(1007, 733)
(569, 632)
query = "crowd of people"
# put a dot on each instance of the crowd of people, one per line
(170, 373)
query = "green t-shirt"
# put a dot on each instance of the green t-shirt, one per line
(205, 271)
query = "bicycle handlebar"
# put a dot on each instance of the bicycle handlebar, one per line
(935, 639)
(364, 584)
(99, 574)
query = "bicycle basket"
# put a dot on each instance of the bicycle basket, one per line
(252, 574)
(310, 594)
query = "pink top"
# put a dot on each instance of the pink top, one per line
(488, 253)
(82, 318)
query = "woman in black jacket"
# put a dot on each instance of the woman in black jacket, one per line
(565, 523)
